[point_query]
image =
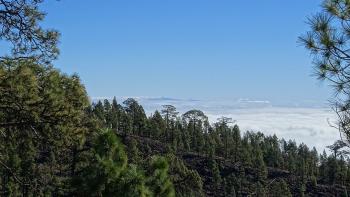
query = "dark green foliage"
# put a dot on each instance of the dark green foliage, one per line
(301, 188)
(106, 172)
(260, 190)
(237, 143)
(54, 143)
(252, 150)
(259, 165)
(328, 41)
(272, 155)
(106, 164)
(215, 172)
(92, 162)
(137, 116)
(50, 144)
(42, 120)
(230, 182)
(114, 115)
(279, 188)
(159, 181)
(187, 182)
(134, 152)
(156, 126)
(169, 113)
(19, 25)
(195, 121)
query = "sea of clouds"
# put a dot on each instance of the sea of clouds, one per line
(306, 122)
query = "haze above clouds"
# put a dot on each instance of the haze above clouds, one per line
(306, 121)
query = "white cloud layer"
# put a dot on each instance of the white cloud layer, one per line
(308, 125)
(303, 122)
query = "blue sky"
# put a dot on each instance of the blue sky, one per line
(188, 48)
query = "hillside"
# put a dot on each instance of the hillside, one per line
(59, 138)
(201, 163)
(54, 142)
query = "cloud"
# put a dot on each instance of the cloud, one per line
(305, 122)
(307, 125)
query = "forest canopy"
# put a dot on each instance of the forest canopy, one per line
(55, 142)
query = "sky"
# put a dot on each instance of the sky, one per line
(240, 59)
(188, 49)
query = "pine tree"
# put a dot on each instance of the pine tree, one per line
(302, 188)
(323, 166)
(134, 153)
(156, 126)
(260, 166)
(260, 190)
(104, 166)
(42, 120)
(327, 40)
(169, 113)
(159, 181)
(20, 27)
(195, 120)
(105, 171)
(107, 113)
(99, 112)
(236, 143)
(115, 115)
(225, 131)
(279, 188)
(230, 183)
(187, 182)
(136, 114)
(246, 156)
(213, 165)
(272, 155)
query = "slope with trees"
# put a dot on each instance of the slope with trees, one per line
(54, 142)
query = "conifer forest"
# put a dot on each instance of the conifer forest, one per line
(56, 141)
